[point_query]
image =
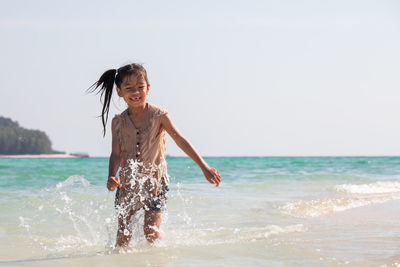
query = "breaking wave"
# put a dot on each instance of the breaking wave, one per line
(350, 196)
(372, 188)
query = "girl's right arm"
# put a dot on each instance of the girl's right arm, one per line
(115, 159)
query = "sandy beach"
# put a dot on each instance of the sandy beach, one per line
(40, 156)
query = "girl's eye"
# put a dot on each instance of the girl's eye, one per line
(141, 88)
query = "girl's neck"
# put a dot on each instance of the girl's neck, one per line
(138, 109)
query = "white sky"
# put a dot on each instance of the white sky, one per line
(239, 78)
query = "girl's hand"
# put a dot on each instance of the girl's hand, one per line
(212, 175)
(112, 183)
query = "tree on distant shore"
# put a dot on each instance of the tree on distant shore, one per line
(16, 140)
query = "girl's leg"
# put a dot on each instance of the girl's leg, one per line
(124, 233)
(152, 222)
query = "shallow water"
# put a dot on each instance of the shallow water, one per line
(316, 211)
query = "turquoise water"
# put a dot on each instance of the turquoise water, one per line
(273, 211)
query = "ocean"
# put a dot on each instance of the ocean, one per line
(268, 211)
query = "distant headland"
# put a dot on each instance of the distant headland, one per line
(18, 142)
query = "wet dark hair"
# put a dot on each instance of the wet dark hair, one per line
(106, 83)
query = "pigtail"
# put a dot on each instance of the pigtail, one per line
(104, 86)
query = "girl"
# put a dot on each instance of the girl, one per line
(138, 147)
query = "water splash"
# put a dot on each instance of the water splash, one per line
(72, 180)
(67, 218)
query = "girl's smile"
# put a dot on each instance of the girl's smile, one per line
(134, 90)
(134, 99)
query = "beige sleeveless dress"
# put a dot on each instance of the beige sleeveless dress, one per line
(143, 164)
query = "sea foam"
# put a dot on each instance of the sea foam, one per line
(356, 195)
(371, 188)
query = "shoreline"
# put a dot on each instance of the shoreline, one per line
(39, 156)
(30, 156)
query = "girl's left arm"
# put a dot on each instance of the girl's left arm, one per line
(211, 174)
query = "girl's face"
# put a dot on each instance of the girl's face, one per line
(134, 90)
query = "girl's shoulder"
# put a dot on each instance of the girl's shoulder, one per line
(119, 117)
(157, 111)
